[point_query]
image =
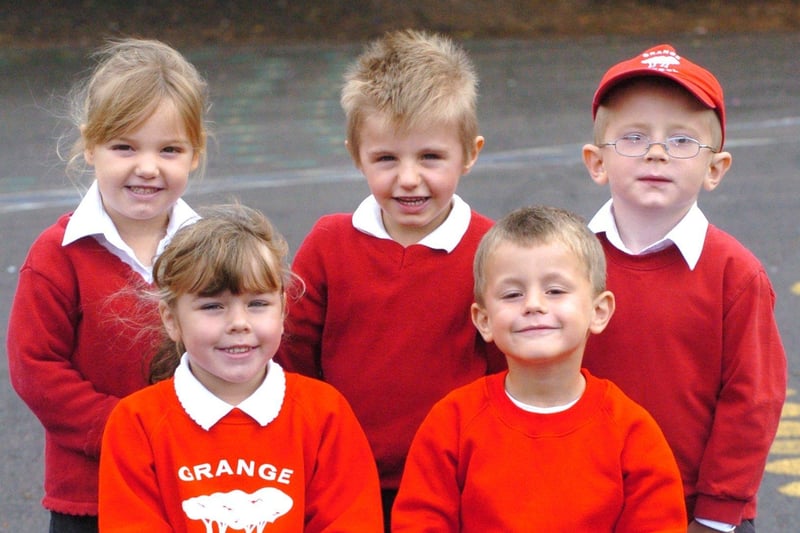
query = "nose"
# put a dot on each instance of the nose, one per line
(238, 319)
(656, 153)
(535, 303)
(147, 167)
(408, 176)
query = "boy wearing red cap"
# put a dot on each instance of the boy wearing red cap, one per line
(695, 339)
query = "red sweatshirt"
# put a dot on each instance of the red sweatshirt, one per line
(78, 337)
(701, 351)
(479, 463)
(308, 469)
(388, 326)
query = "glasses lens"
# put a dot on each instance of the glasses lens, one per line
(682, 147)
(632, 146)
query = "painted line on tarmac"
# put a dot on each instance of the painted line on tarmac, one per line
(787, 447)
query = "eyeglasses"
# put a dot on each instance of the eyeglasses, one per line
(677, 146)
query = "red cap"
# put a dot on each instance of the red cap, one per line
(662, 60)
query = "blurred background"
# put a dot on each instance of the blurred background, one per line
(26, 23)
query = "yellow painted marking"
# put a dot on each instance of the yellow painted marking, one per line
(790, 489)
(791, 409)
(786, 447)
(789, 428)
(787, 442)
(785, 466)
(796, 288)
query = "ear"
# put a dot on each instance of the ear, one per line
(170, 321)
(195, 160)
(353, 155)
(481, 320)
(477, 146)
(88, 153)
(720, 163)
(604, 305)
(593, 160)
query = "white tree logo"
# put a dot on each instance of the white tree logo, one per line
(238, 509)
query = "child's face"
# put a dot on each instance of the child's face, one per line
(413, 174)
(143, 173)
(229, 337)
(539, 305)
(656, 182)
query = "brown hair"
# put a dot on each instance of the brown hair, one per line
(233, 248)
(131, 78)
(537, 225)
(410, 78)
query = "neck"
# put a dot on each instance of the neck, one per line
(639, 228)
(545, 388)
(143, 237)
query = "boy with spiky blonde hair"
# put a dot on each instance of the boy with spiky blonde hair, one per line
(385, 315)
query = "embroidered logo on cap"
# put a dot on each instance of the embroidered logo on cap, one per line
(663, 60)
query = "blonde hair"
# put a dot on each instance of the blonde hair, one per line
(232, 248)
(539, 225)
(131, 78)
(412, 78)
(603, 115)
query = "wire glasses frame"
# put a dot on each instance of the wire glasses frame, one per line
(678, 146)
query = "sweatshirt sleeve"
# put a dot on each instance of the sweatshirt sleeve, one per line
(653, 491)
(42, 335)
(749, 407)
(429, 497)
(301, 346)
(130, 499)
(343, 494)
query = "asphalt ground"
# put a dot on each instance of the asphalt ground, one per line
(279, 147)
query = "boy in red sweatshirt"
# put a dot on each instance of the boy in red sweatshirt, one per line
(385, 314)
(544, 446)
(695, 339)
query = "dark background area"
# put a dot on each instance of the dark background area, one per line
(86, 23)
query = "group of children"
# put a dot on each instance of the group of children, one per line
(419, 367)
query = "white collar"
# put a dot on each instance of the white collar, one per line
(91, 219)
(206, 409)
(688, 235)
(367, 219)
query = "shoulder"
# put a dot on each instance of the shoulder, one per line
(151, 402)
(327, 231)
(467, 401)
(50, 239)
(621, 409)
(333, 222)
(480, 222)
(313, 396)
(739, 268)
(723, 246)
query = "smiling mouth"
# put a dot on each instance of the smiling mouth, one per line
(143, 190)
(530, 329)
(237, 349)
(412, 202)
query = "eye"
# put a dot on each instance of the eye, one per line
(210, 306)
(681, 140)
(511, 294)
(634, 138)
(173, 150)
(431, 156)
(383, 158)
(121, 147)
